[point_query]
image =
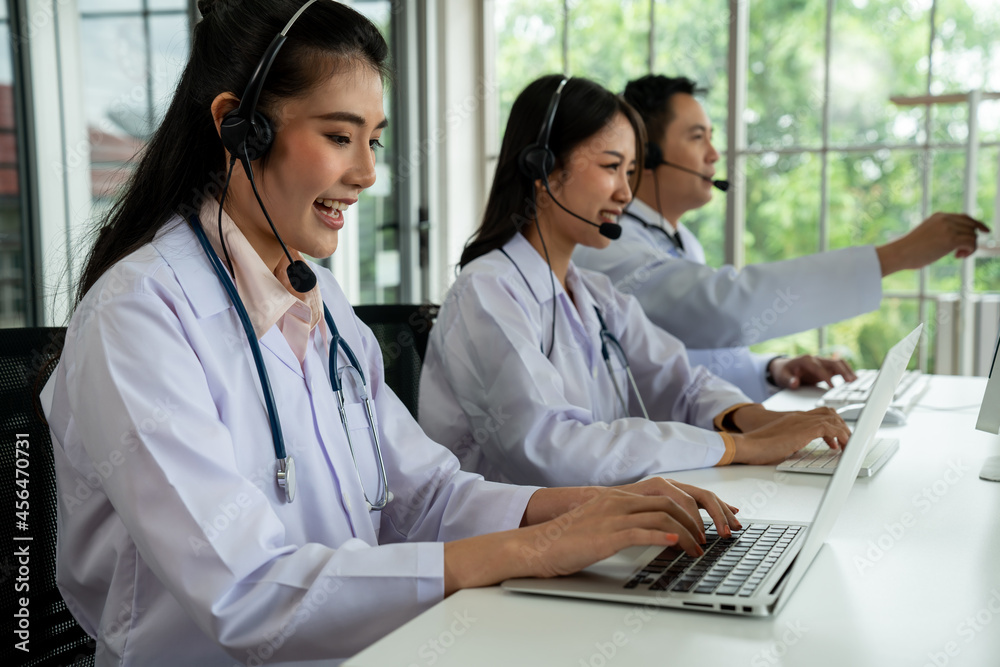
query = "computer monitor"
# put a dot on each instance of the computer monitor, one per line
(989, 415)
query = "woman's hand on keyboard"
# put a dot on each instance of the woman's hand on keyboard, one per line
(691, 498)
(610, 521)
(783, 437)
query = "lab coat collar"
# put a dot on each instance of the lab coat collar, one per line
(648, 214)
(267, 296)
(179, 247)
(534, 267)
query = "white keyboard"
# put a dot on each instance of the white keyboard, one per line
(817, 457)
(911, 388)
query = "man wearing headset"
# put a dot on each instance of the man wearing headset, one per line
(717, 312)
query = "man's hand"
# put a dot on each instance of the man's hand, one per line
(808, 370)
(929, 241)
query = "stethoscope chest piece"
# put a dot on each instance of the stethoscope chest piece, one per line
(286, 477)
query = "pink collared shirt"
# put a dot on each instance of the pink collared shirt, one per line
(268, 297)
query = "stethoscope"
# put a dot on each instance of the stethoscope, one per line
(675, 238)
(286, 464)
(608, 339)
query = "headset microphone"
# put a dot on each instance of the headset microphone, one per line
(537, 160)
(607, 229)
(654, 158)
(248, 134)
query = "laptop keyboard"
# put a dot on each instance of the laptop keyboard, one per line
(730, 566)
(858, 391)
(817, 455)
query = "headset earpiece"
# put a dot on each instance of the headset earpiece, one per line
(536, 162)
(654, 156)
(244, 140)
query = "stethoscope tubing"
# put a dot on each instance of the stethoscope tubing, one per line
(286, 465)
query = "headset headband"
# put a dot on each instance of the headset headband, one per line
(248, 103)
(550, 116)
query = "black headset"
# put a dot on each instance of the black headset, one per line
(537, 160)
(248, 135)
(654, 158)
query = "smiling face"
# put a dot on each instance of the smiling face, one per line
(687, 143)
(594, 184)
(323, 157)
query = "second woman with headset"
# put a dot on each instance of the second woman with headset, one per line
(540, 373)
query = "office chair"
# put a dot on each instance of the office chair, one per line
(55, 639)
(402, 332)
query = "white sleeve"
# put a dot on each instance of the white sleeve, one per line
(671, 387)
(434, 500)
(171, 483)
(492, 363)
(714, 308)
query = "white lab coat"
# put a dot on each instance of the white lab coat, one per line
(176, 546)
(488, 391)
(710, 308)
(700, 305)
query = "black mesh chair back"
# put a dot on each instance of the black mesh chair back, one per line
(402, 332)
(54, 638)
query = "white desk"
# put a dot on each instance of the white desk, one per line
(879, 593)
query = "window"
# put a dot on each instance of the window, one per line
(830, 160)
(378, 208)
(132, 54)
(14, 241)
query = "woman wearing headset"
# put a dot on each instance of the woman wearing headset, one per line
(227, 490)
(527, 375)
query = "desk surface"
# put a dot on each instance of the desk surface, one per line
(880, 592)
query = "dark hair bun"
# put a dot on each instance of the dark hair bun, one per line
(206, 6)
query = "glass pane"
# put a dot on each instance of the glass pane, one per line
(171, 44)
(988, 269)
(879, 50)
(785, 82)
(529, 44)
(874, 198)
(947, 193)
(594, 25)
(692, 40)
(950, 123)
(12, 244)
(782, 218)
(378, 208)
(87, 6)
(989, 119)
(179, 5)
(966, 49)
(117, 98)
(864, 340)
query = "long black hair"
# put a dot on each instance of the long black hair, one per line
(184, 162)
(585, 108)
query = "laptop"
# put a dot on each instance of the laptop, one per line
(818, 459)
(754, 572)
(911, 389)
